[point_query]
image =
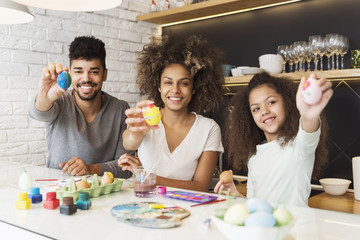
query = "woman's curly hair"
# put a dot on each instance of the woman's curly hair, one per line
(242, 134)
(203, 61)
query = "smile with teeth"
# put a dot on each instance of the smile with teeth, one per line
(269, 120)
(174, 98)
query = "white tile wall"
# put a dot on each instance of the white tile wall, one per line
(26, 48)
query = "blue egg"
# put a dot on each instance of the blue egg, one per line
(260, 219)
(64, 80)
(256, 205)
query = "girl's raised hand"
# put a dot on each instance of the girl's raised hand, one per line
(313, 111)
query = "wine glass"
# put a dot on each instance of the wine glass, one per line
(333, 45)
(308, 56)
(344, 48)
(294, 57)
(315, 42)
(299, 48)
(282, 50)
(291, 58)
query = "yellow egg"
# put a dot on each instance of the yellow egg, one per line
(107, 178)
(226, 176)
(152, 115)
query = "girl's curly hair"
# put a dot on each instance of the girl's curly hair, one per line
(203, 61)
(242, 134)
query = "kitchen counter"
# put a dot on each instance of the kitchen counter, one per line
(345, 203)
(98, 223)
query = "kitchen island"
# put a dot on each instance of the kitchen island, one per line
(97, 222)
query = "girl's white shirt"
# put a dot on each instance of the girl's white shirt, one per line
(204, 135)
(282, 175)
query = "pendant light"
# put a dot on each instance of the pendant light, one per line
(72, 5)
(14, 13)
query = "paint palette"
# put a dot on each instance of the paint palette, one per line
(150, 214)
(190, 196)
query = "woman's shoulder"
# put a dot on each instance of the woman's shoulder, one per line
(201, 120)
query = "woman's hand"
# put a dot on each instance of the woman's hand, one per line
(227, 188)
(129, 162)
(137, 127)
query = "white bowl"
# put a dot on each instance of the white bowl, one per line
(272, 63)
(335, 186)
(240, 70)
(235, 232)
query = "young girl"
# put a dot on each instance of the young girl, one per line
(184, 79)
(276, 134)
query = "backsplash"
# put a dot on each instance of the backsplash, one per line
(343, 115)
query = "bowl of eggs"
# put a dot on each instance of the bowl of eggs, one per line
(335, 186)
(253, 220)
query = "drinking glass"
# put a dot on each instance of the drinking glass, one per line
(333, 46)
(144, 182)
(294, 57)
(290, 58)
(308, 56)
(299, 48)
(282, 50)
(315, 42)
(344, 49)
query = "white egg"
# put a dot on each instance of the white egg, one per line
(257, 204)
(236, 214)
(260, 219)
(311, 91)
(282, 216)
(25, 181)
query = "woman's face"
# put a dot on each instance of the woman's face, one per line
(176, 87)
(267, 109)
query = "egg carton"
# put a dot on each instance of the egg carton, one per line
(95, 189)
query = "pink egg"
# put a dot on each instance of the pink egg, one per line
(311, 91)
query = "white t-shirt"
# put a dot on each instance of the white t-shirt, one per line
(204, 135)
(282, 175)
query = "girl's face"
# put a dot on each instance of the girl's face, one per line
(267, 109)
(176, 87)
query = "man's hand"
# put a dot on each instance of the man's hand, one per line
(128, 162)
(75, 167)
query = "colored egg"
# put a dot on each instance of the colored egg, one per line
(260, 219)
(311, 91)
(257, 205)
(226, 176)
(152, 115)
(282, 216)
(64, 80)
(236, 214)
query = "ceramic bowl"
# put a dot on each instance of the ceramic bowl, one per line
(272, 63)
(335, 186)
(235, 232)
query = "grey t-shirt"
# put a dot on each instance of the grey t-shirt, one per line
(69, 135)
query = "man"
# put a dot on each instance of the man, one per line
(84, 125)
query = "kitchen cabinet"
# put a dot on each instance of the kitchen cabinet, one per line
(203, 9)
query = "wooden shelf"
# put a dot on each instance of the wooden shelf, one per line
(202, 9)
(334, 75)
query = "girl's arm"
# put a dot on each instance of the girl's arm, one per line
(203, 174)
(137, 127)
(310, 114)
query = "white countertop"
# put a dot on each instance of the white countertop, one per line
(97, 222)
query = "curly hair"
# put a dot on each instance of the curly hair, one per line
(203, 61)
(87, 47)
(242, 134)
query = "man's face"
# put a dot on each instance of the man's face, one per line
(87, 77)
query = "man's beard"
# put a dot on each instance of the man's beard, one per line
(87, 98)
